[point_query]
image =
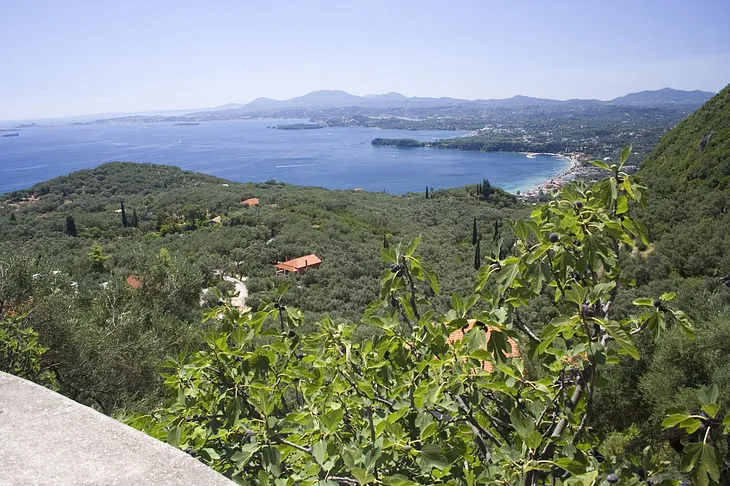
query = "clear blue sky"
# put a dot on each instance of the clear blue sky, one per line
(90, 56)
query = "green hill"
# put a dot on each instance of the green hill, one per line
(686, 212)
(95, 323)
(688, 175)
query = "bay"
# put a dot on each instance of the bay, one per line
(246, 150)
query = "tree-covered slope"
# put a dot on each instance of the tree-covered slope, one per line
(695, 154)
(688, 175)
(96, 324)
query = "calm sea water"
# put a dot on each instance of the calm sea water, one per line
(246, 150)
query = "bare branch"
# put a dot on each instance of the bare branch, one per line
(523, 327)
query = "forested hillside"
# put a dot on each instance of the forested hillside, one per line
(686, 212)
(689, 177)
(173, 247)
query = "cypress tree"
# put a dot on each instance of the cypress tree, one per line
(70, 226)
(486, 189)
(12, 216)
(474, 233)
(477, 256)
(124, 216)
(385, 241)
(134, 221)
(426, 192)
(497, 241)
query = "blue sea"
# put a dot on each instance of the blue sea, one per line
(246, 150)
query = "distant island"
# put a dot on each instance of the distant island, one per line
(182, 124)
(300, 126)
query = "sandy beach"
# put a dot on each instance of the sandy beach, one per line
(578, 167)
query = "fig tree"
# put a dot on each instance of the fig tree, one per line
(553, 237)
(599, 457)
(394, 268)
(612, 478)
(578, 205)
(292, 334)
(657, 303)
(407, 448)
(558, 472)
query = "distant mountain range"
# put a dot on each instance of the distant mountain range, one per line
(342, 99)
(325, 99)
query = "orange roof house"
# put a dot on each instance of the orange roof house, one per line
(458, 335)
(134, 281)
(299, 265)
(252, 201)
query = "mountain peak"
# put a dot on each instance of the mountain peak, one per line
(664, 95)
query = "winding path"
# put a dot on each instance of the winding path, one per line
(239, 300)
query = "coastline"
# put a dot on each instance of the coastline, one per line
(577, 167)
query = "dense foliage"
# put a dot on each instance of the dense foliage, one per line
(99, 325)
(689, 173)
(264, 403)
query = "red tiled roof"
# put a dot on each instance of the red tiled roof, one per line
(134, 281)
(298, 263)
(458, 335)
(252, 201)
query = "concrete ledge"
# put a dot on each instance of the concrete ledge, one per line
(48, 439)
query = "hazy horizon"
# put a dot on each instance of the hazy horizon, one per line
(188, 110)
(83, 57)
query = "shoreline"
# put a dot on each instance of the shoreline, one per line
(575, 169)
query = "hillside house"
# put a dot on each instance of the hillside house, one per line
(458, 335)
(214, 221)
(134, 281)
(298, 265)
(250, 202)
